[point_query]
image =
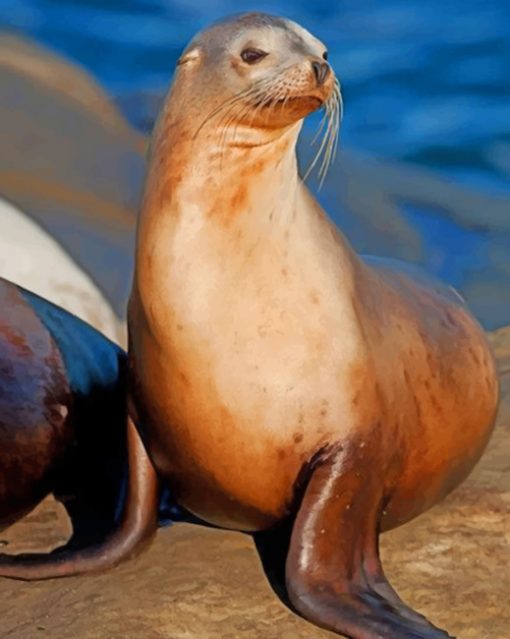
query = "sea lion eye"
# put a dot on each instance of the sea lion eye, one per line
(251, 56)
(325, 55)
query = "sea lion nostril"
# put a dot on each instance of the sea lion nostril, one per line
(321, 71)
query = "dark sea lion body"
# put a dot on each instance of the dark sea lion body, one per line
(64, 428)
(62, 411)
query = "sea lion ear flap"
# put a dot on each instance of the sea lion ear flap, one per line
(190, 56)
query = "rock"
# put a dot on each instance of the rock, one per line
(59, 75)
(33, 259)
(71, 162)
(451, 563)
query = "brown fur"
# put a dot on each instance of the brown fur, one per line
(260, 342)
(35, 402)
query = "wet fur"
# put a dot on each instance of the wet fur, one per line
(260, 342)
(62, 412)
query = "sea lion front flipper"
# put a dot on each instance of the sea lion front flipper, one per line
(138, 524)
(333, 572)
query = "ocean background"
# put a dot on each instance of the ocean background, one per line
(426, 88)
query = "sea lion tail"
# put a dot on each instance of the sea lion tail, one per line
(137, 526)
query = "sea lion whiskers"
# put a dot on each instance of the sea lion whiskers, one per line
(267, 99)
(331, 146)
(273, 92)
(236, 116)
(333, 115)
(259, 92)
(324, 119)
(330, 137)
(262, 95)
(231, 102)
(280, 89)
(340, 106)
(233, 111)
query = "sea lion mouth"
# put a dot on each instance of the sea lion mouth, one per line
(303, 98)
(314, 99)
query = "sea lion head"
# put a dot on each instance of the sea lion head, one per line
(258, 69)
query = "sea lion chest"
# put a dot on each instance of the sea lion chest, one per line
(253, 346)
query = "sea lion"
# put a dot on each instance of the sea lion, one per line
(275, 372)
(31, 258)
(63, 430)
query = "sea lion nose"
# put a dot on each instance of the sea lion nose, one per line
(321, 71)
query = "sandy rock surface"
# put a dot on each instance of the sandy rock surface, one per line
(452, 564)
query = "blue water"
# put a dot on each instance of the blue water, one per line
(426, 81)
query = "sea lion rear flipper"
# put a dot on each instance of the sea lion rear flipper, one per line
(333, 571)
(138, 524)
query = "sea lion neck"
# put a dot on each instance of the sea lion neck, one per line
(220, 171)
